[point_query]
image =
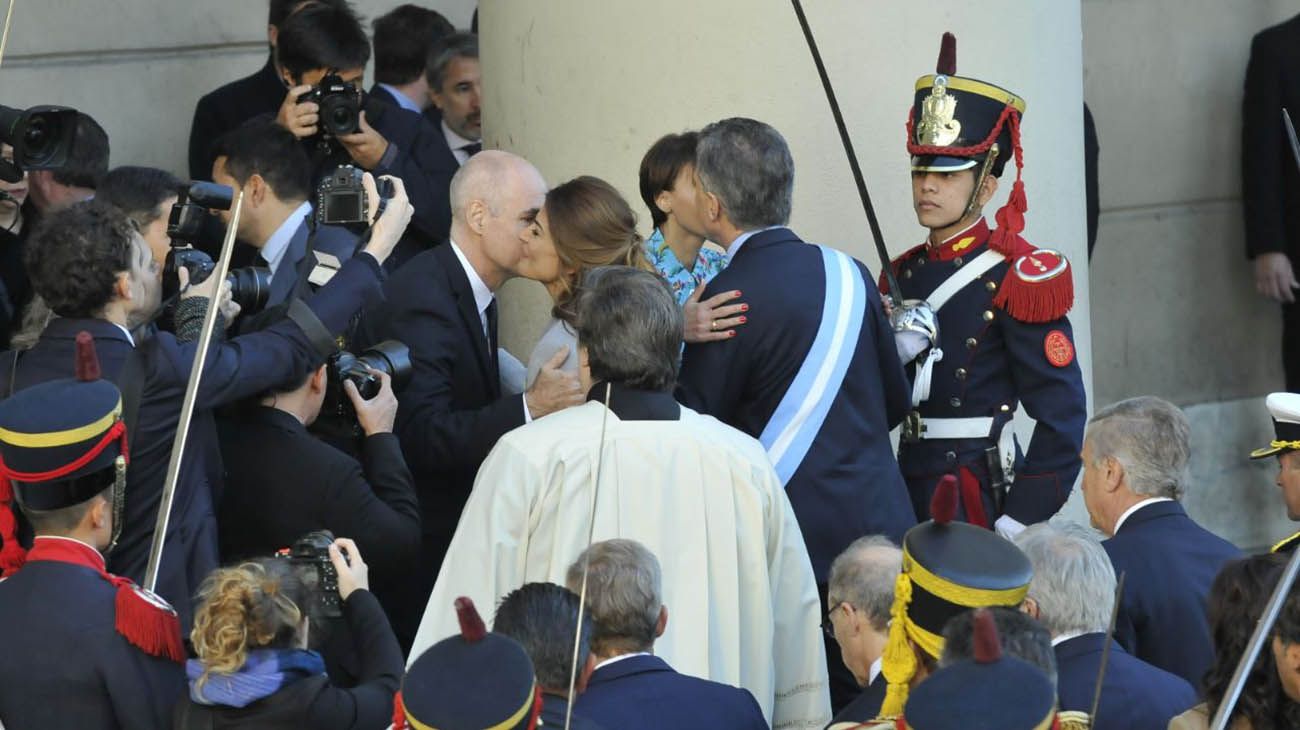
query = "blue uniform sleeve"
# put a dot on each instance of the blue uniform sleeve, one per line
(1051, 391)
(142, 689)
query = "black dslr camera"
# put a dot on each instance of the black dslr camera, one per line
(337, 421)
(249, 286)
(341, 198)
(340, 106)
(309, 559)
(41, 137)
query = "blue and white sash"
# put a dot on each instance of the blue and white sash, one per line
(802, 411)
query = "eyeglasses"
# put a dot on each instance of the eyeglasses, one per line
(828, 627)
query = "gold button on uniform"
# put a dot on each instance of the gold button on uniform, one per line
(991, 285)
(955, 402)
(988, 315)
(907, 274)
(957, 261)
(971, 342)
(961, 373)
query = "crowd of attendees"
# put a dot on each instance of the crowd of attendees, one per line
(369, 481)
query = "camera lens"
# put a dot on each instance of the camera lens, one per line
(39, 140)
(250, 287)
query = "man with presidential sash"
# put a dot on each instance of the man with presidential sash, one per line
(982, 325)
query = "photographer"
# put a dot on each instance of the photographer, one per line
(250, 633)
(146, 195)
(229, 106)
(268, 165)
(95, 272)
(282, 482)
(322, 43)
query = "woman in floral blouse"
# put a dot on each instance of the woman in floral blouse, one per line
(668, 189)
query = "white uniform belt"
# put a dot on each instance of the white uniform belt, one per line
(956, 428)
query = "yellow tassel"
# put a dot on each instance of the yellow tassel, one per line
(898, 663)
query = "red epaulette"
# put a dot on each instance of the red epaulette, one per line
(1038, 286)
(897, 264)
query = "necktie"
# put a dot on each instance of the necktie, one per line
(492, 333)
(472, 148)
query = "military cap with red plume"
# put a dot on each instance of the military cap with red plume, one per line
(990, 690)
(60, 442)
(471, 681)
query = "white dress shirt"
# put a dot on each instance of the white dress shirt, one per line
(620, 657)
(739, 241)
(278, 243)
(456, 142)
(1120, 522)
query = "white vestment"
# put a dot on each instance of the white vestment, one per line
(737, 582)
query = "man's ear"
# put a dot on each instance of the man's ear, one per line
(272, 34)
(584, 674)
(476, 215)
(319, 378)
(1114, 473)
(1030, 608)
(100, 513)
(256, 190)
(988, 189)
(713, 207)
(662, 623)
(122, 286)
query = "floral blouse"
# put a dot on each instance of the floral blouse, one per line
(682, 281)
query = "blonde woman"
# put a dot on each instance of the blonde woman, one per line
(254, 669)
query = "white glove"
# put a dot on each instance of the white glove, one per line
(910, 344)
(1008, 527)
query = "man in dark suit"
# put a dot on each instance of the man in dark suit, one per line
(266, 163)
(74, 652)
(812, 311)
(442, 305)
(860, 595)
(116, 290)
(1135, 456)
(1270, 181)
(402, 40)
(631, 688)
(282, 482)
(1072, 595)
(225, 108)
(543, 618)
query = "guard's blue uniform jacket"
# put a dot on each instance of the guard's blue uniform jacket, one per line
(847, 484)
(66, 666)
(1006, 342)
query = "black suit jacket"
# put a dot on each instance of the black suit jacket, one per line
(234, 370)
(228, 107)
(282, 483)
(1269, 181)
(452, 412)
(866, 706)
(65, 665)
(1134, 694)
(1170, 562)
(848, 484)
(644, 693)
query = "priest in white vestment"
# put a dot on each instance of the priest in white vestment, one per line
(699, 494)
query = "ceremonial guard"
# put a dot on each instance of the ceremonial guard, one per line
(474, 680)
(989, 690)
(82, 648)
(982, 318)
(948, 567)
(1285, 411)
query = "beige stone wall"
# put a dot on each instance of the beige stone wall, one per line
(1173, 305)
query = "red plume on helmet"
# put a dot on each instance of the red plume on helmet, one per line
(986, 644)
(943, 505)
(947, 64)
(87, 360)
(472, 628)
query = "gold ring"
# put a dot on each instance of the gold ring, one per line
(713, 325)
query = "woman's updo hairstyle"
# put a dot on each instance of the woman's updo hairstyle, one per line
(591, 225)
(254, 605)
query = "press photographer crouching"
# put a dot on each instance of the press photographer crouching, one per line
(251, 631)
(282, 482)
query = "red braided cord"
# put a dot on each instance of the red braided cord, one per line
(1008, 111)
(117, 431)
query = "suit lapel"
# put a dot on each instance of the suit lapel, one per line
(287, 274)
(468, 308)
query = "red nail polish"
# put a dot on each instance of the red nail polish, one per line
(742, 320)
(732, 333)
(744, 307)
